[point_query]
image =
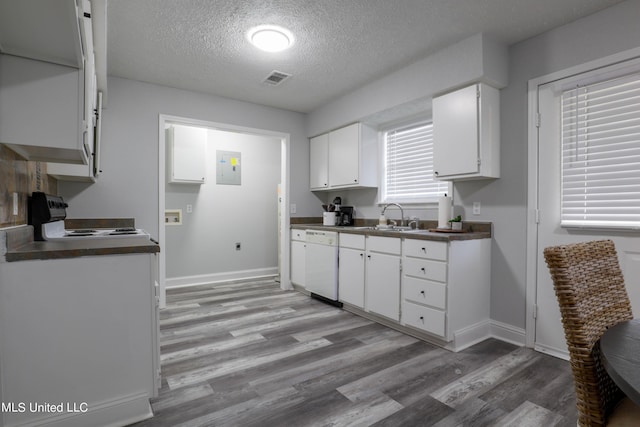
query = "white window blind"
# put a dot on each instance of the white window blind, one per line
(408, 165)
(601, 154)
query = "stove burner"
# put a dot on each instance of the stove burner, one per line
(117, 232)
(87, 232)
(78, 234)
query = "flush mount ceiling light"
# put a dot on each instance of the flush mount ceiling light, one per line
(270, 38)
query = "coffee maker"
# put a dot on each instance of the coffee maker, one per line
(345, 216)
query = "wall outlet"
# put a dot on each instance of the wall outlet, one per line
(294, 208)
(189, 208)
(476, 208)
(238, 246)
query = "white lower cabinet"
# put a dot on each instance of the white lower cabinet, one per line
(446, 289)
(298, 263)
(382, 277)
(437, 290)
(351, 269)
(90, 337)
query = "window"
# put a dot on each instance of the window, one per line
(601, 154)
(408, 165)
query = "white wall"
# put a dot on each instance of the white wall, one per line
(225, 214)
(128, 186)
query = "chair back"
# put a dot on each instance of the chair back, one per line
(589, 285)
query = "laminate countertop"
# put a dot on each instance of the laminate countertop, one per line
(18, 245)
(472, 231)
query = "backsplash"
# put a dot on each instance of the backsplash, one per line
(23, 177)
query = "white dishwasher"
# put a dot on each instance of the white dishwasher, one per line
(321, 259)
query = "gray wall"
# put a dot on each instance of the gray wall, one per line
(225, 214)
(128, 186)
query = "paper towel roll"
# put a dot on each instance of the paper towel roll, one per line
(444, 212)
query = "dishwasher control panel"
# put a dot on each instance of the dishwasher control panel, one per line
(329, 238)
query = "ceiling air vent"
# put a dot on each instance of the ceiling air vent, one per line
(276, 77)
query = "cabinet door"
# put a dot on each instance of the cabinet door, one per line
(455, 133)
(188, 154)
(319, 162)
(297, 262)
(41, 110)
(383, 285)
(351, 277)
(344, 156)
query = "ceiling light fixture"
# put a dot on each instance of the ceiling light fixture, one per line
(270, 38)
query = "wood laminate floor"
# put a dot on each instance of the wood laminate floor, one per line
(249, 354)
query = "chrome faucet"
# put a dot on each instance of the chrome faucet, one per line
(399, 207)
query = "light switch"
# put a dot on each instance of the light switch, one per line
(294, 208)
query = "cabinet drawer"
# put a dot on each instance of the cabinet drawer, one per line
(425, 249)
(355, 241)
(424, 292)
(298, 235)
(425, 269)
(428, 319)
(388, 245)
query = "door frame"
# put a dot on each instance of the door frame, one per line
(285, 154)
(533, 173)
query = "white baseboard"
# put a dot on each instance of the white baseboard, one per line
(508, 333)
(560, 354)
(202, 279)
(465, 338)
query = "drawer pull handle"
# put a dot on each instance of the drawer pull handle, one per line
(424, 250)
(422, 319)
(423, 270)
(422, 292)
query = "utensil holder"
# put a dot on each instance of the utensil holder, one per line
(328, 218)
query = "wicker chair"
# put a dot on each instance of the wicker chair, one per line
(590, 289)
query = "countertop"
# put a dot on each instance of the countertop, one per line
(472, 231)
(20, 246)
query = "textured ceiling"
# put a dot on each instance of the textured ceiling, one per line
(340, 45)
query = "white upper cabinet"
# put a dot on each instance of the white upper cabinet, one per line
(466, 133)
(45, 30)
(48, 86)
(188, 154)
(344, 158)
(319, 162)
(41, 110)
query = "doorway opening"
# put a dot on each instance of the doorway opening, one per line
(232, 225)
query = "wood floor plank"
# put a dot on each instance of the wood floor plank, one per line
(214, 371)
(193, 352)
(530, 415)
(321, 368)
(246, 353)
(482, 379)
